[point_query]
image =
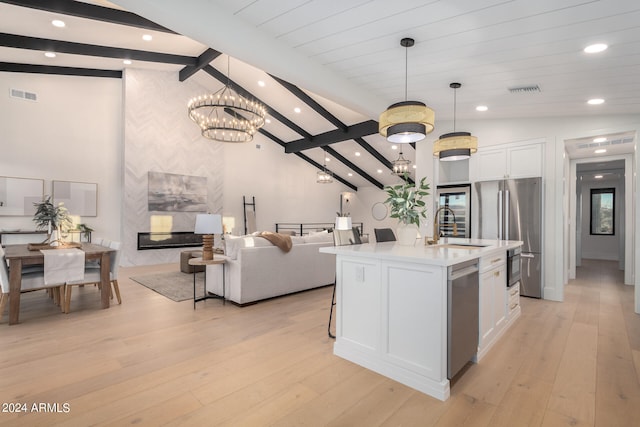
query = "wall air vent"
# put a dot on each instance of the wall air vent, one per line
(23, 94)
(525, 89)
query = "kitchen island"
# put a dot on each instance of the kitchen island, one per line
(392, 311)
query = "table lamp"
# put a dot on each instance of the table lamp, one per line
(343, 223)
(208, 225)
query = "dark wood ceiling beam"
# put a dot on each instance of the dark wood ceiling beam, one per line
(306, 158)
(203, 60)
(63, 71)
(315, 106)
(58, 46)
(369, 149)
(90, 11)
(355, 131)
(271, 111)
(355, 168)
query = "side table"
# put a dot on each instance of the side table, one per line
(200, 261)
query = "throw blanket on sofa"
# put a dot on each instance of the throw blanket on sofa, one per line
(282, 241)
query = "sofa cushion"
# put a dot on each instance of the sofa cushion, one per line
(320, 237)
(232, 244)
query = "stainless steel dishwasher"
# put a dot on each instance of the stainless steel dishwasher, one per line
(462, 325)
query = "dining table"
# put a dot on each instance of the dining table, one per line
(19, 256)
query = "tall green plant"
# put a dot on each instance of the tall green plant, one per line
(47, 213)
(405, 201)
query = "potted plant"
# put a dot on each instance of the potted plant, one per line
(54, 218)
(405, 203)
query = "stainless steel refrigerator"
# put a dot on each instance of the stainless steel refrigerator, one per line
(512, 210)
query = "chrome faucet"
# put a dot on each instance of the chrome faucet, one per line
(436, 228)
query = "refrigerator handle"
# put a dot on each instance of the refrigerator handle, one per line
(500, 215)
(506, 214)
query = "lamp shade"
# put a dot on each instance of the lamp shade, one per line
(208, 224)
(343, 223)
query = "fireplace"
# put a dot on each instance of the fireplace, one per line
(175, 239)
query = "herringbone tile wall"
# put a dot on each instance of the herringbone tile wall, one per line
(159, 136)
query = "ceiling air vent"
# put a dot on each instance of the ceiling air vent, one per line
(525, 89)
(23, 94)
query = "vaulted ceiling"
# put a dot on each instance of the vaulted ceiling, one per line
(341, 64)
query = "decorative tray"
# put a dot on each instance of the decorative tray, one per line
(40, 246)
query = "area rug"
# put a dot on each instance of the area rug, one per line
(174, 285)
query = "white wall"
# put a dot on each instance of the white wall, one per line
(73, 132)
(284, 187)
(598, 246)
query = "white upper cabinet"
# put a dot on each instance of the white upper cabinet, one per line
(516, 160)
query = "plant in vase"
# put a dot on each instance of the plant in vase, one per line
(406, 204)
(54, 218)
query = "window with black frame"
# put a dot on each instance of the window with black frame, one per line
(603, 211)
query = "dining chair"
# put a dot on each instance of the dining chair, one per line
(341, 238)
(384, 235)
(92, 276)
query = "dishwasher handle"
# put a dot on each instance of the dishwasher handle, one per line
(456, 274)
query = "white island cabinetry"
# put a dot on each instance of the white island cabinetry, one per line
(493, 301)
(392, 307)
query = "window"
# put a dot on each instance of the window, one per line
(603, 211)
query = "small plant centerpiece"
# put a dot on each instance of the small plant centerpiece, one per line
(54, 218)
(406, 204)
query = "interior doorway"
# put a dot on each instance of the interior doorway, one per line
(600, 212)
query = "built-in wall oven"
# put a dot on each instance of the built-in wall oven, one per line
(514, 266)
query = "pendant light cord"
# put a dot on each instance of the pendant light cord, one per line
(406, 72)
(454, 109)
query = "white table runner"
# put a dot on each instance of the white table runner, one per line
(63, 265)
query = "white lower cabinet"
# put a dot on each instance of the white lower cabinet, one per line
(493, 301)
(513, 305)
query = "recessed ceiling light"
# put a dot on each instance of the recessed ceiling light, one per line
(267, 120)
(326, 159)
(595, 101)
(357, 154)
(297, 110)
(394, 147)
(126, 62)
(415, 166)
(599, 139)
(350, 174)
(595, 48)
(597, 176)
(58, 23)
(379, 170)
(482, 108)
(50, 54)
(600, 151)
(147, 37)
(261, 83)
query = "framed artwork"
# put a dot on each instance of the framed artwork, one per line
(17, 195)
(80, 198)
(170, 192)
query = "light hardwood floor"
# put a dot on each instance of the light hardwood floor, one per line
(152, 361)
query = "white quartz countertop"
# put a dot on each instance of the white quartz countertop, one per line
(439, 254)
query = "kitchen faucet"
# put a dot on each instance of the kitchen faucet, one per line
(436, 228)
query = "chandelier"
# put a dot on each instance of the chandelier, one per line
(324, 176)
(227, 116)
(455, 145)
(406, 121)
(400, 165)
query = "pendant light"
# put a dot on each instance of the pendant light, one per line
(406, 121)
(227, 116)
(324, 176)
(455, 145)
(400, 165)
